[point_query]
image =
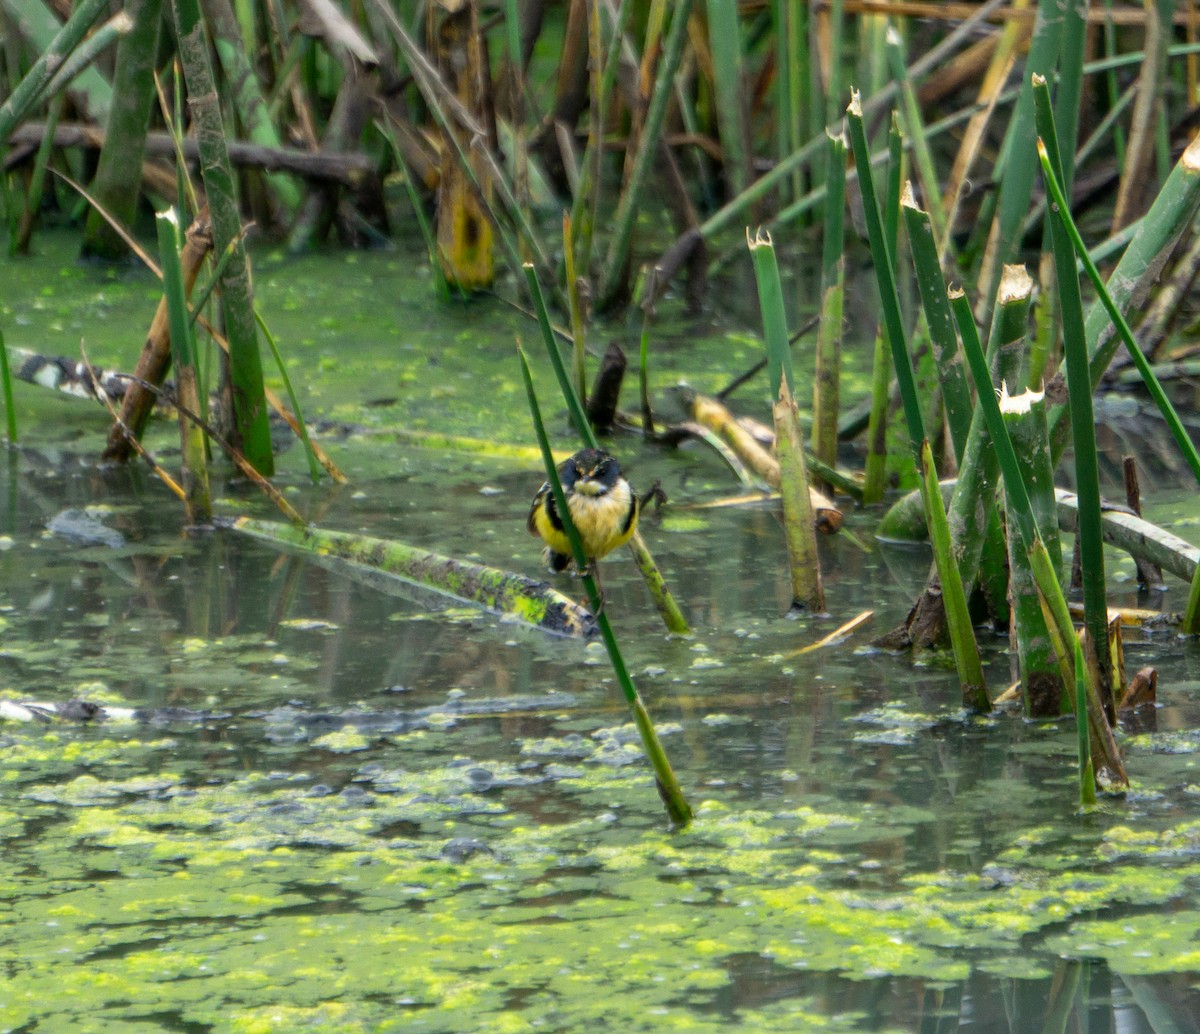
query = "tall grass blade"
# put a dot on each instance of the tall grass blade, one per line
(37, 182)
(574, 404)
(620, 240)
(958, 615)
(1058, 622)
(678, 809)
(1016, 183)
(604, 74)
(441, 286)
(827, 379)
(882, 253)
(250, 420)
(1087, 777)
(956, 393)
(914, 129)
(10, 412)
(801, 536)
(725, 39)
(26, 93)
(1083, 424)
(1042, 685)
(197, 498)
(314, 464)
(962, 636)
(1062, 214)
(877, 426)
(1191, 616)
(575, 306)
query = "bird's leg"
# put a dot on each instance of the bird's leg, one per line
(592, 568)
(654, 494)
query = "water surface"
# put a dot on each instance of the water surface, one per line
(343, 809)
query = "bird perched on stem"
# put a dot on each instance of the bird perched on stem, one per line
(603, 509)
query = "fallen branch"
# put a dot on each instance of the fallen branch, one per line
(513, 595)
(348, 168)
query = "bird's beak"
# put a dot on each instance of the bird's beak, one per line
(590, 486)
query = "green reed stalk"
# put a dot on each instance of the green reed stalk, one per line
(1112, 83)
(1153, 385)
(575, 408)
(441, 285)
(974, 518)
(197, 497)
(575, 307)
(1059, 623)
(668, 609)
(1083, 425)
(1016, 184)
(770, 304)
(1138, 270)
(644, 370)
(314, 464)
(250, 420)
(1069, 88)
(629, 203)
(1087, 774)
(678, 809)
(246, 95)
(877, 431)
(799, 530)
(792, 83)
(117, 183)
(882, 252)
(31, 88)
(962, 635)
(954, 597)
(1191, 616)
(19, 245)
(826, 381)
(10, 411)
(837, 31)
(956, 393)
(800, 533)
(914, 130)
(1042, 685)
(185, 191)
(585, 206)
(84, 56)
(725, 39)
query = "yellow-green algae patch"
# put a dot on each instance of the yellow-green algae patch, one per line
(425, 894)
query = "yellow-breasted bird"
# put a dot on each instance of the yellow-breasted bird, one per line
(603, 508)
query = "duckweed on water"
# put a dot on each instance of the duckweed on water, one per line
(423, 898)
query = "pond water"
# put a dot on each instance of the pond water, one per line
(341, 808)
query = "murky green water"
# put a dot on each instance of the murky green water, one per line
(341, 809)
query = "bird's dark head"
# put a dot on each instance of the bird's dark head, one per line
(590, 472)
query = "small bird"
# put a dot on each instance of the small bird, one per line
(603, 509)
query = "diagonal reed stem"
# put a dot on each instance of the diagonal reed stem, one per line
(678, 809)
